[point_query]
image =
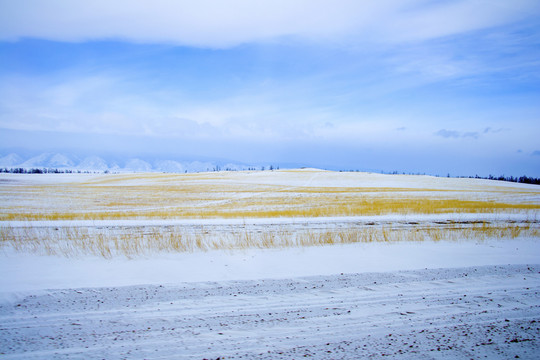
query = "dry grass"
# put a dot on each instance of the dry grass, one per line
(135, 241)
(246, 195)
(253, 195)
(110, 201)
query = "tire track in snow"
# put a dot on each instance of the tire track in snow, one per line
(469, 312)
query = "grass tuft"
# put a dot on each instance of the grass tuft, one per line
(136, 241)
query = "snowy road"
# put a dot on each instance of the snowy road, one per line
(476, 312)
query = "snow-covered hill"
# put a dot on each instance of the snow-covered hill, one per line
(138, 165)
(169, 166)
(95, 163)
(61, 161)
(10, 160)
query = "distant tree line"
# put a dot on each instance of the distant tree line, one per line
(522, 179)
(69, 171)
(43, 171)
(271, 168)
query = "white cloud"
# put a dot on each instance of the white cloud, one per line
(111, 104)
(441, 18)
(457, 134)
(106, 104)
(228, 23)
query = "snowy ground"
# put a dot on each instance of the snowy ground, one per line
(475, 312)
(466, 299)
(421, 300)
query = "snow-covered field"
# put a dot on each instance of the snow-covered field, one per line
(285, 193)
(458, 299)
(473, 312)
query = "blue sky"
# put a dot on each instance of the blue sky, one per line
(417, 86)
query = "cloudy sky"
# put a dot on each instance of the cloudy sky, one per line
(444, 86)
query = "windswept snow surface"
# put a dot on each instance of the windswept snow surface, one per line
(476, 312)
(425, 300)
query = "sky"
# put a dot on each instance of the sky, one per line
(417, 86)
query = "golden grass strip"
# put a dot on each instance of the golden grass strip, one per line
(136, 241)
(354, 207)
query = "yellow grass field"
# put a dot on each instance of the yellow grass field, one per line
(34, 208)
(285, 193)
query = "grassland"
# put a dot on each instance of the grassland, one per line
(37, 200)
(242, 195)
